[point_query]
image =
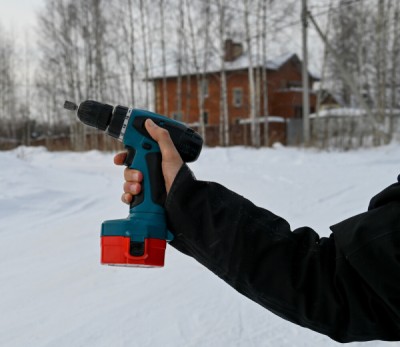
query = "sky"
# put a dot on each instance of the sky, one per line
(18, 18)
(18, 15)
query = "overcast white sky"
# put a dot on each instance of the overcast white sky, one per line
(19, 18)
(19, 15)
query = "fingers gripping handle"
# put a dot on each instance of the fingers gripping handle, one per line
(130, 155)
(153, 186)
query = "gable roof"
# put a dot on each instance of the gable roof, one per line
(241, 63)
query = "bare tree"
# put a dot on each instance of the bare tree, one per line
(73, 48)
(200, 71)
(395, 58)
(162, 4)
(131, 58)
(255, 129)
(224, 114)
(380, 64)
(8, 85)
(26, 107)
(264, 76)
(179, 60)
(145, 53)
(366, 35)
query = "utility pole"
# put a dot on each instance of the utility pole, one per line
(306, 93)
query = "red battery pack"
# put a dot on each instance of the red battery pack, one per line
(117, 250)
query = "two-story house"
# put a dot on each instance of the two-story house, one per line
(284, 76)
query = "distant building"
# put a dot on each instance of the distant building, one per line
(284, 89)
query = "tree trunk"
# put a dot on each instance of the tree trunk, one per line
(145, 55)
(223, 110)
(255, 140)
(163, 57)
(395, 68)
(264, 75)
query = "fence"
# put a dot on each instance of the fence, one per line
(347, 131)
(332, 131)
(240, 134)
(63, 143)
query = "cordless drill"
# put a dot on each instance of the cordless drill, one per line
(140, 239)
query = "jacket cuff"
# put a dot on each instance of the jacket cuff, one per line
(184, 176)
(183, 182)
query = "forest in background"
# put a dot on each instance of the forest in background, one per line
(105, 50)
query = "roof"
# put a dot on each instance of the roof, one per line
(241, 63)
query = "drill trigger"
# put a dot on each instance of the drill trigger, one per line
(129, 156)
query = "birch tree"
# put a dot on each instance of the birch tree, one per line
(223, 110)
(179, 60)
(380, 63)
(131, 57)
(395, 71)
(200, 65)
(264, 76)
(144, 47)
(8, 85)
(254, 125)
(162, 4)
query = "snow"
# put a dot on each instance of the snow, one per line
(353, 112)
(54, 292)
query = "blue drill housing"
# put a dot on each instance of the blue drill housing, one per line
(140, 239)
(147, 218)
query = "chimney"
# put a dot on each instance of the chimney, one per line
(233, 50)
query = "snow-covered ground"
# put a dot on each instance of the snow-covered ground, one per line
(54, 292)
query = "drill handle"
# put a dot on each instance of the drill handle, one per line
(153, 193)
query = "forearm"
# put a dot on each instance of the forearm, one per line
(296, 275)
(254, 250)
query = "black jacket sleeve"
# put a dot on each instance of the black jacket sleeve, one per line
(346, 286)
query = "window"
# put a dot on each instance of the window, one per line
(237, 97)
(205, 117)
(204, 87)
(294, 84)
(177, 116)
(298, 112)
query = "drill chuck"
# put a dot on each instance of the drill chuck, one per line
(93, 113)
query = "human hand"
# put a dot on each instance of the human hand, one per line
(171, 162)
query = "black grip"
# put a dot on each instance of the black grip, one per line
(186, 140)
(156, 179)
(130, 155)
(157, 183)
(137, 199)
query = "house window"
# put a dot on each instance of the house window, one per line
(177, 116)
(237, 97)
(298, 112)
(204, 87)
(294, 84)
(205, 117)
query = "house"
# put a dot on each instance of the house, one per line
(284, 75)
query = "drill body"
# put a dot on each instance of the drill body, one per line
(140, 239)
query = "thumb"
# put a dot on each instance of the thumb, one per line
(162, 137)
